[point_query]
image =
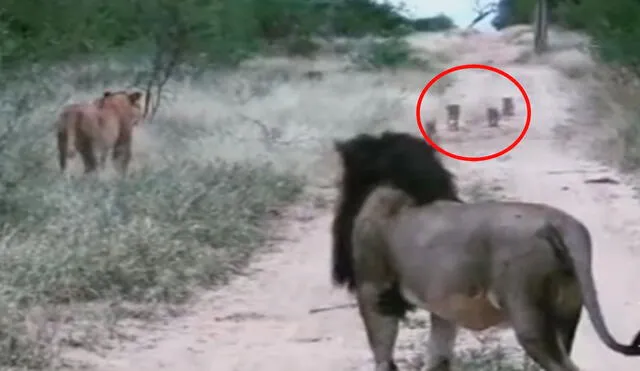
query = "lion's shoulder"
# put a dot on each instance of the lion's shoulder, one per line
(121, 107)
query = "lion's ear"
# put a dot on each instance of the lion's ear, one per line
(106, 93)
(134, 97)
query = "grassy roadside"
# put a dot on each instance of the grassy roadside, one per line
(176, 224)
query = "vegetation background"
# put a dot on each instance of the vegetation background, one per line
(614, 25)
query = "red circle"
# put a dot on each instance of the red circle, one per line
(465, 67)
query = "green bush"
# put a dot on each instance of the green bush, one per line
(438, 23)
(357, 18)
(392, 53)
(219, 30)
(614, 26)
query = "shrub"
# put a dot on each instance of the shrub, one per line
(216, 30)
(387, 53)
(438, 23)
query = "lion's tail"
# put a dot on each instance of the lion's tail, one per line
(66, 127)
(582, 269)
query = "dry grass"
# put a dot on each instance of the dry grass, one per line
(516, 34)
(492, 355)
(484, 351)
(568, 51)
(573, 63)
(444, 46)
(621, 132)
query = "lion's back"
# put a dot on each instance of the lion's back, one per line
(75, 112)
(88, 119)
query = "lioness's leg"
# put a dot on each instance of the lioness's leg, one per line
(382, 330)
(62, 150)
(104, 152)
(122, 152)
(84, 145)
(536, 332)
(442, 338)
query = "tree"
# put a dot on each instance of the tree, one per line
(482, 11)
(541, 26)
(438, 23)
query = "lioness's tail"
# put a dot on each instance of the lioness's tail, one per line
(66, 131)
(582, 269)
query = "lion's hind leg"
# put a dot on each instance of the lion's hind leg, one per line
(62, 150)
(89, 160)
(102, 159)
(442, 337)
(122, 152)
(537, 331)
(566, 307)
(85, 146)
(381, 329)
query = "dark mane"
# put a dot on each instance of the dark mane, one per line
(401, 160)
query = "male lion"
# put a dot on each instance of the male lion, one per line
(402, 237)
(99, 126)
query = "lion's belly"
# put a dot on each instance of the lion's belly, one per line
(476, 313)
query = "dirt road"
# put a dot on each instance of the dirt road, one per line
(262, 321)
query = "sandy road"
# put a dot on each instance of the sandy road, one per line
(262, 321)
(546, 169)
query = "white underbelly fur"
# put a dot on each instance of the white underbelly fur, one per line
(493, 299)
(466, 311)
(414, 299)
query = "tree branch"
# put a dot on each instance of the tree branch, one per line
(170, 45)
(482, 11)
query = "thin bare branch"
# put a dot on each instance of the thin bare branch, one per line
(333, 307)
(170, 49)
(482, 11)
